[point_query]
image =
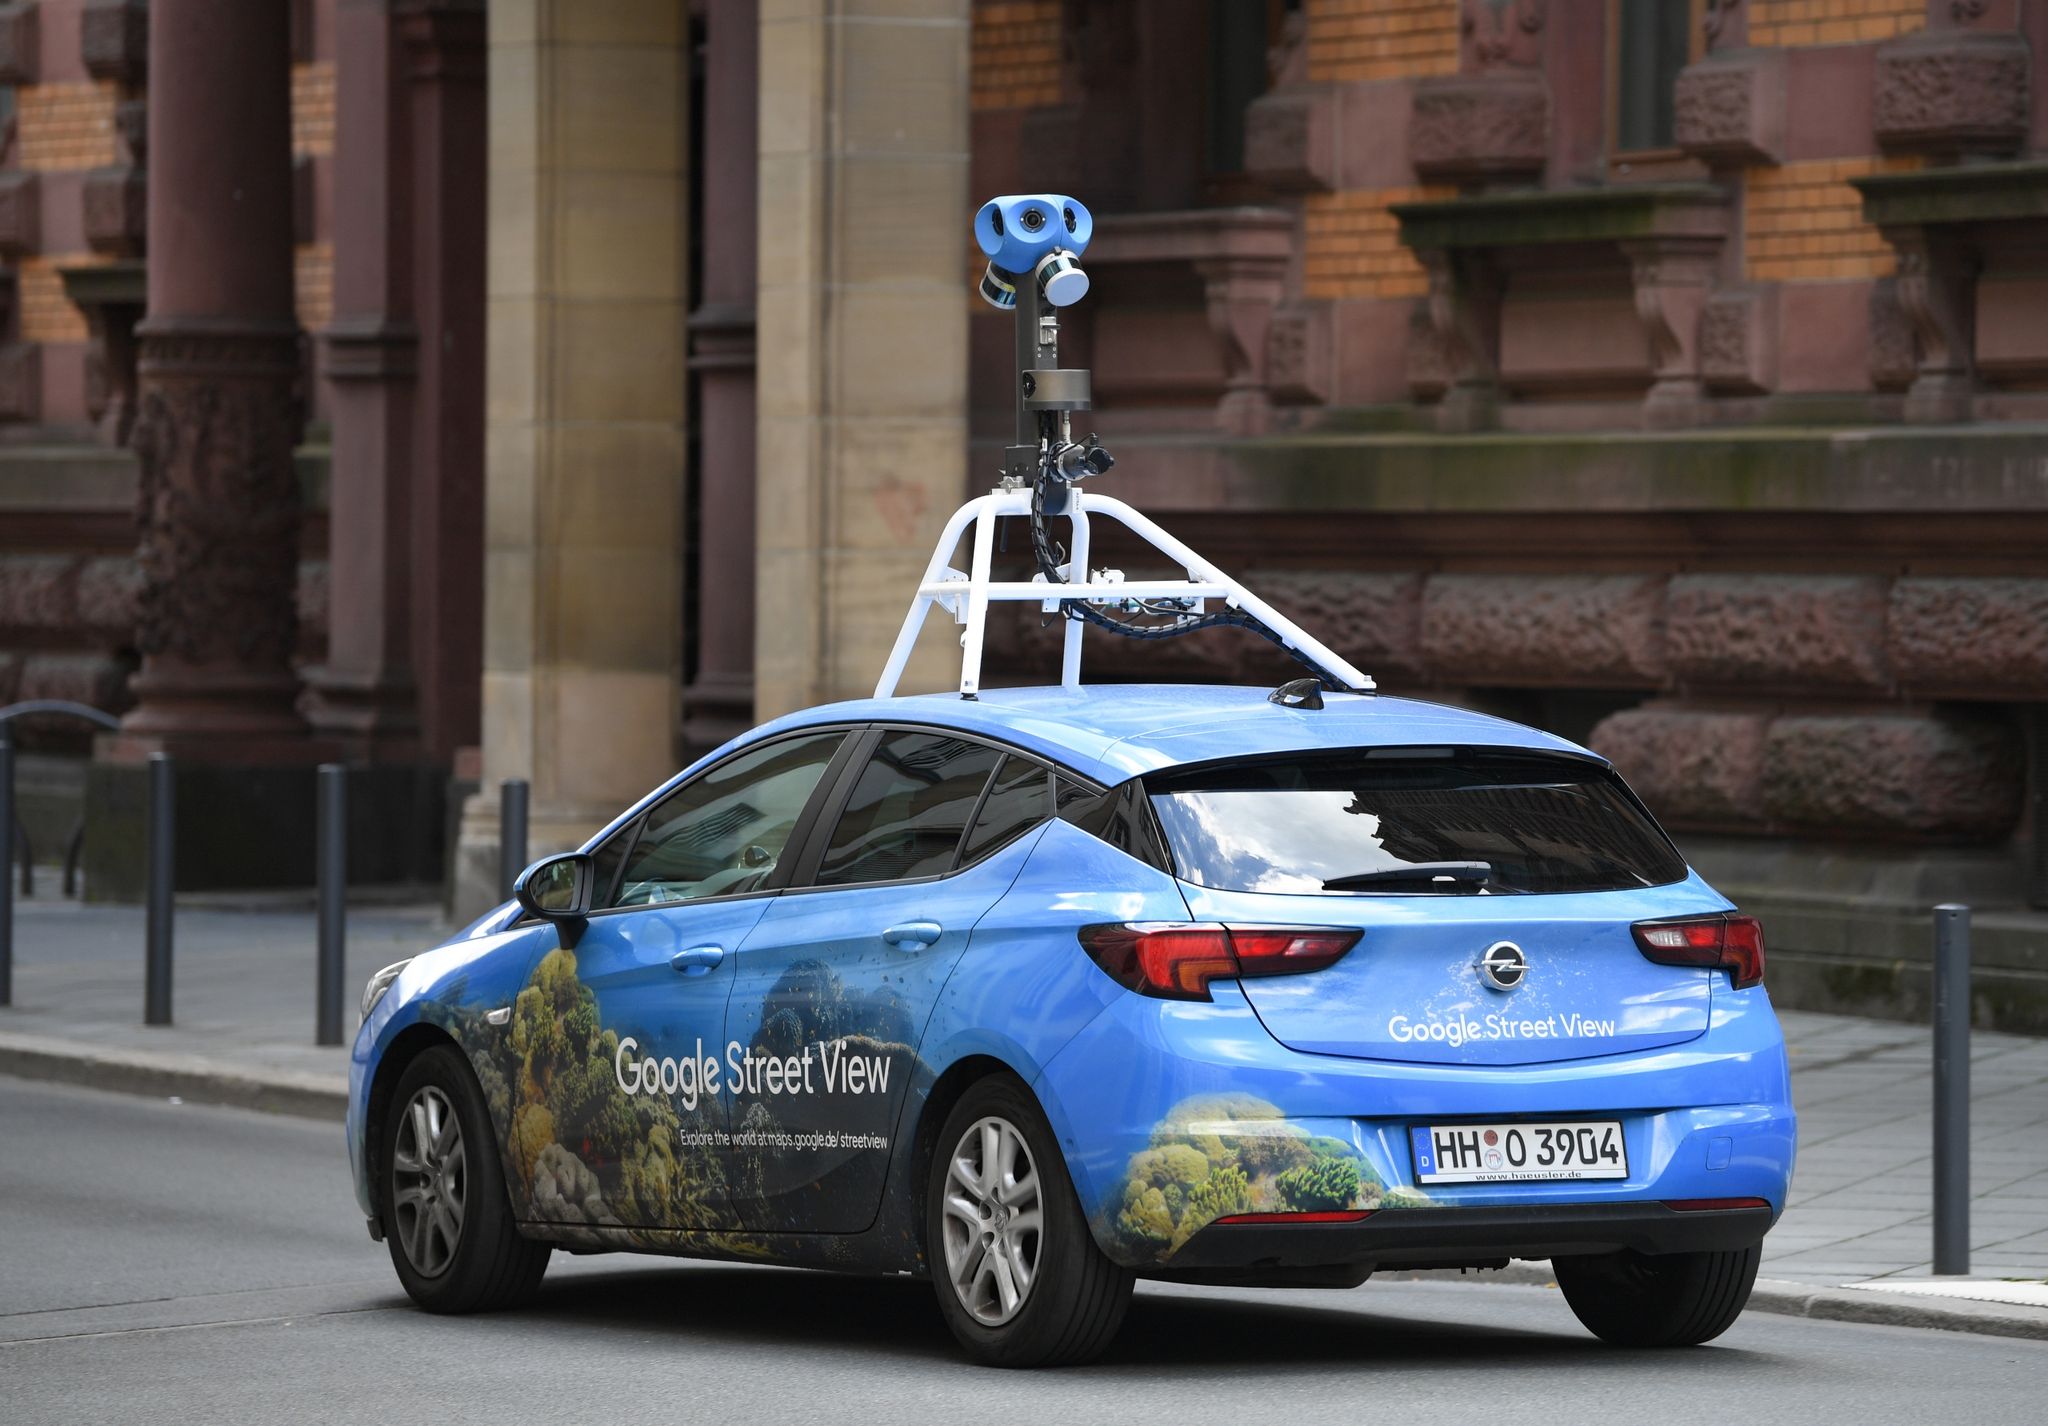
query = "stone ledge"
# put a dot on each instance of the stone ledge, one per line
(1904, 469)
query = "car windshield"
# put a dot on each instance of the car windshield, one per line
(1406, 822)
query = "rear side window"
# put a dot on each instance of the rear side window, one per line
(908, 809)
(1018, 800)
(1406, 822)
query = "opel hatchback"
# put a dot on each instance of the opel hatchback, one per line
(1038, 994)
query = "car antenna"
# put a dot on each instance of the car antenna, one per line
(1034, 243)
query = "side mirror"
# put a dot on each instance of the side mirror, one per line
(557, 889)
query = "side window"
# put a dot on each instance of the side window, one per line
(1122, 817)
(1018, 800)
(723, 832)
(908, 810)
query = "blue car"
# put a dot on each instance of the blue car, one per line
(1043, 992)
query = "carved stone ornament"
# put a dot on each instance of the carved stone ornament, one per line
(1894, 357)
(1466, 129)
(1732, 110)
(113, 39)
(20, 227)
(1738, 340)
(1725, 25)
(1501, 34)
(20, 39)
(1952, 92)
(1290, 140)
(219, 499)
(21, 382)
(1936, 286)
(1672, 277)
(1298, 354)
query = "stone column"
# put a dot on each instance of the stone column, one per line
(219, 412)
(719, 702)
(444, 95)
(864, 293)
(364, 696)
(583, 417)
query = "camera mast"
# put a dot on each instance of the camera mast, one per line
(1034, 243)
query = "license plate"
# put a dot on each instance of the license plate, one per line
(1518, 1153)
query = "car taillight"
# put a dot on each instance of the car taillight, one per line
(1726, 942)
(1176, 960)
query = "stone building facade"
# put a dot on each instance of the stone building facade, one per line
(1669, 373)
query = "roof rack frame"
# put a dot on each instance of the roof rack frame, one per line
(966, 596)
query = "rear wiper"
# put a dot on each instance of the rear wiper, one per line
(1416, 874)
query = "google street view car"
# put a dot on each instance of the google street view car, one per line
(1035, 992)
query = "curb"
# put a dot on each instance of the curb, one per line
(1824, 1304)
(192, 1077)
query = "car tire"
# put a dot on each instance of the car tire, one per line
(1072, 1299)
(1670, 1300)
(446, 1217)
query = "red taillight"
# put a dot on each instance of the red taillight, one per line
(1708, 1205)
(1176, 961)
(1342, 1215)
(1727, 942)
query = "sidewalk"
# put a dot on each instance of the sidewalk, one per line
(1859, 1215)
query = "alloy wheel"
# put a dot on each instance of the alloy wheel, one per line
(429, 1181)
(993, 1221)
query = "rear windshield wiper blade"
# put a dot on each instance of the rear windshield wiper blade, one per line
(1416, 874)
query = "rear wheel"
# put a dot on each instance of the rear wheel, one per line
(1019, 1278)
(447, 1220)
(1669, 1300)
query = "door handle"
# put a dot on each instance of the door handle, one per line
(912, 935)
(698, 960)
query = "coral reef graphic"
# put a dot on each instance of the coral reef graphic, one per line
(1199, 1166)
(578, 1149)
(606, 1168)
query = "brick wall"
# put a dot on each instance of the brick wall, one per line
(63, 126)
(1016, 54)
(47, 315)
(1353, 245)
(1803, 222)
(1350, 40)
(1832, 22)
(313, 108)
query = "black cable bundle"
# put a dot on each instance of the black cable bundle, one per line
(1051, 556)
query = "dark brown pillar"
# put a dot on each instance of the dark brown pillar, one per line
(445, 66)
(719, 701)
(219, 502)
(364, 696)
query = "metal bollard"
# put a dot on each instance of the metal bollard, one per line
(1951, 1088)
(160, 854)
(6, 862)
(513, 796)
(331, 871)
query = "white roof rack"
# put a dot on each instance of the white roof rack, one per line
(967, 596)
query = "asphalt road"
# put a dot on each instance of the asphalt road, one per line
(174, 1263)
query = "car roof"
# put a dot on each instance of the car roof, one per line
(1114, 731)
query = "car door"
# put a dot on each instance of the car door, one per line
(835, 985)
(620, 1036)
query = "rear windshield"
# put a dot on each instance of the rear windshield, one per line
(1408, 822)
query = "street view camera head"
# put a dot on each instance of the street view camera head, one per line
(1036, 235)
(1034, 243)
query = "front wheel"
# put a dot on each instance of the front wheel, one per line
(1019, 1278)
(447, 1220)
(1669, 1300)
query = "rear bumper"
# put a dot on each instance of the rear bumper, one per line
(1456, 1237)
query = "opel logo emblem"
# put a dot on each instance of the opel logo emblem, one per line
(1503, 965)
